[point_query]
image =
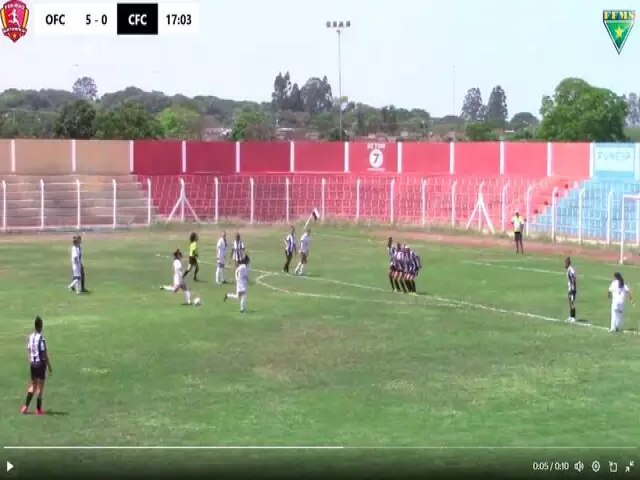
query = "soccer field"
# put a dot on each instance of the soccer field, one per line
(481, 358)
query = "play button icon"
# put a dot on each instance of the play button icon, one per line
(9, 466)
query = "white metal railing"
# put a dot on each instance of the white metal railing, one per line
(587, 216)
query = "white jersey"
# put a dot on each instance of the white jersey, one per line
(36, 347)
(238, 250)
(572, 279)
(618, 295)
(178, 277)
(242, 277)
(221, 251)
(76, 262)
(304, 243)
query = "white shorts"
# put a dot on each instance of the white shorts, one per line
(241, 292)
(179, 283)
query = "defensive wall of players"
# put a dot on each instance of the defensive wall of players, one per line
(144, 157)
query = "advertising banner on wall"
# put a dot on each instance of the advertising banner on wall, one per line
(615, 161)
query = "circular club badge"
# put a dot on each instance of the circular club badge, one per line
(376, 158)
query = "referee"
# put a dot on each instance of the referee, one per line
(39, 363)
(518, 223)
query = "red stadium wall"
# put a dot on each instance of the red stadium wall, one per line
(570, 160)
(425, 158)
(153, 157)
(211, 157)
(263, 157)
(482, 158)
(373, 158)
(363, 158)
(525, 159)
(319, 157)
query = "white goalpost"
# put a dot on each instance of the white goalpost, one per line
(634, 200)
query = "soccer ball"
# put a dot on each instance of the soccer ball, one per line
(197, 302)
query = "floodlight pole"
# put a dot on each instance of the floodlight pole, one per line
(339, 27)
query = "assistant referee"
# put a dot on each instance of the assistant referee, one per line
(518, 223)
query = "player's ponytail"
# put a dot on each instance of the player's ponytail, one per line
(618, 277)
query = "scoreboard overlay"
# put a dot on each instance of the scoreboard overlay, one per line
(112, 18)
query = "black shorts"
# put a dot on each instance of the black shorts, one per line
(38, 371)
(288, 255)
(193, 260)
(517, 236)
(572, 295)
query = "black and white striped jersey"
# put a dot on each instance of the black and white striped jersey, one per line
(36, 346)
(289, 244)
(238, 250)
(572, 279)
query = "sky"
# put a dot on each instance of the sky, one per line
(408, 53)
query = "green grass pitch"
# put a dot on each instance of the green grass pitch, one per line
(481, 359)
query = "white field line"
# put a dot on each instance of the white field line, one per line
(529, 269)
(306, 447)
(441, 300)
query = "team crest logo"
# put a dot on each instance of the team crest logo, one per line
(619, 24)
(15, 17)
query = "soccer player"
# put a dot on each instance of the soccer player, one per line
(618, 294)
(76, 268)
(179, 282)
(401, 268)
(39, 362)
(221, 255)
(242, 277)
(84, 290)
(391, 250)
(305, 240)
(238, 252)
(414, 268)
(572, 285)
(289, 249)
(193, 256)
(518, 223)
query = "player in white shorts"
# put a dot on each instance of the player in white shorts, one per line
(221, 255)
(76, 268)
(179, 282)
(242, 277)
(305, 241)
(618, 293)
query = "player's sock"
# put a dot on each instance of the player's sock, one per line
(243, 302)
(218, 276)
(393, 287)
(302, 269)
(187, 296)
(28, 399)
(39, 403)
(195, 274)
(397, 284)
(573, 313)
(403, 285)
(167, 288)
(411, 286)
(232, 295)
(298, 268)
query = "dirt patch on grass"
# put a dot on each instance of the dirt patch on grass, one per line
(490, 242)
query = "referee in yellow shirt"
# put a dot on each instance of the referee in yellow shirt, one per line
(518, 223)
(193, 256)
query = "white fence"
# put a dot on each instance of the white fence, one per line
(578, 215)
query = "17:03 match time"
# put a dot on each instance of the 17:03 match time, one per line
(175, 19)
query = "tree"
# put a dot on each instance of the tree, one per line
(523, 120)
(126, 122)
(581, 112)
(76, 120)
(180, 123)
(479, 132)
(281, 91)
(252, 124)
(294, 101)
(472, 106)
(85, 88)
(633, 102)
(390, 119)
(316, 95)
(497, 111)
